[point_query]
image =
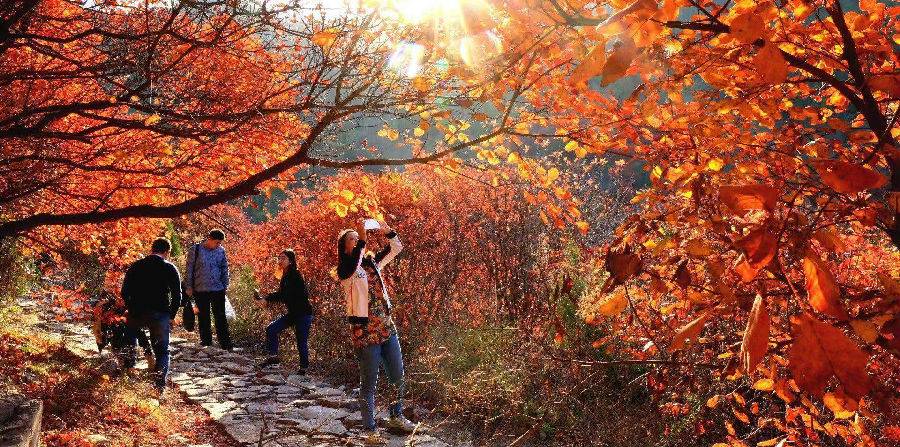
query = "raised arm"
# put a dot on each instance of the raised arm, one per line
(394, 247)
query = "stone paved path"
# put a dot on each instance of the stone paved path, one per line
(272, 407)
(261, 408)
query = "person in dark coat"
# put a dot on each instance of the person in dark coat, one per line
(152, 294)
(292, 291)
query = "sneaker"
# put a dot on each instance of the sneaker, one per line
(400, 423)
(161, 393)
(301, 371)
(373, 437)
(269, 361)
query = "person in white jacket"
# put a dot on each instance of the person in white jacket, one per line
(373, 333)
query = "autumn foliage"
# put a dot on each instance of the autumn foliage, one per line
(475, 252)
(132, 109)
(756, 265)
(767, 130)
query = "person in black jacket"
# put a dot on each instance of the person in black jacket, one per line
(152, 294)
(292, 291)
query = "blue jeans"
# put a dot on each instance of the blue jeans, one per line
(159, 324)
(370, 360)
(301, 325)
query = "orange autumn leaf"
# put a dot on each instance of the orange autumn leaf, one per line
(748, 27)
(618, 62)
(783, 391)
(613, 304)
(770, 64)
(688, 332)
(771, 442)
(759, 247)
(582, 226)
(622, 265)
(887, 84)
(743, 198)
(840, 404)
(739, 398)
(152, 119)
(756, 336)
(740, 415)
(820, 352)
(848, 178)
(824, 294)
(592, 64)
(704, 104)
(696, 248)
(866, 330)
(746, 271)
(830, 240)
(421, 84)
(325, 38)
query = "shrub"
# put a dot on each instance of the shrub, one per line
(19, 272)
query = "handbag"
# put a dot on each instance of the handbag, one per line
(230, 314)
(189, 318)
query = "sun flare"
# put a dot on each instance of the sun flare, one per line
(418, 11)
(464, 28)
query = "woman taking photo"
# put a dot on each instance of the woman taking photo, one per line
(372, 331)
(292, 291)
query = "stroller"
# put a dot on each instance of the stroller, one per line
(110, 330)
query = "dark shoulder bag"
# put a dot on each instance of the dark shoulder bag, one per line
(188, 317)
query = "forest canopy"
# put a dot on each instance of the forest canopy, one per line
(727, 172)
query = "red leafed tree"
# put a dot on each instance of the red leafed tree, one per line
(769, 232)
(471, 247)
(129, 109)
